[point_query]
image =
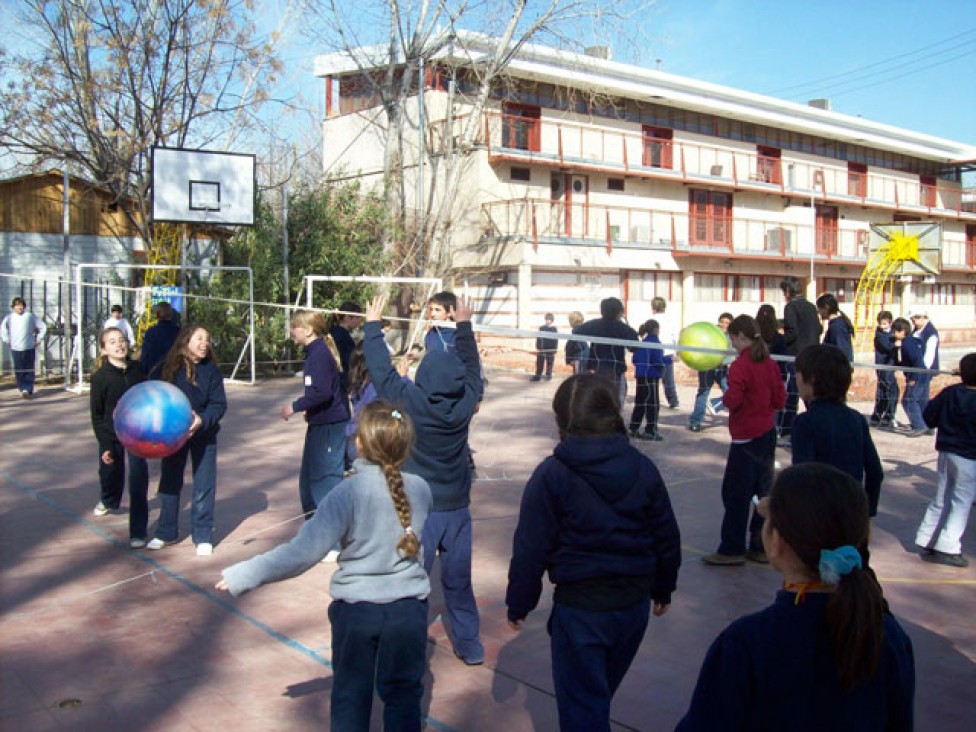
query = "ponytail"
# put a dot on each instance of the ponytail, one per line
(855, 627)
(747, 327)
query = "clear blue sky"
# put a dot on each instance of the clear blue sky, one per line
(910, 63)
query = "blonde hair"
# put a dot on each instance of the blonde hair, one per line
(385, 438)
(575, 319)
(100, 361)
(315, 322)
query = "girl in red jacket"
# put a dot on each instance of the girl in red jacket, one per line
(754, 395)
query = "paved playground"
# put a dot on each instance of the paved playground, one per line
(95, 636)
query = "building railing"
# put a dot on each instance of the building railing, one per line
(616, 149)
(556, 222)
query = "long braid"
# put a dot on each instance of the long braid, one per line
(409, 545)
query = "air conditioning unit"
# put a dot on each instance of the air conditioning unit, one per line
(779, 240)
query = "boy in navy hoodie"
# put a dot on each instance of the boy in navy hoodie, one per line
(441, 401)
(910, 355)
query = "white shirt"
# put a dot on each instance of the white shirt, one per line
(669, 331)
(22, 331)
(123, 325)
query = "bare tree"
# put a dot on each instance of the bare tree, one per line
(432, 32)
(100, 82)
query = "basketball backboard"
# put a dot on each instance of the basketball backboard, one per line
(915, 245)
(202, 187)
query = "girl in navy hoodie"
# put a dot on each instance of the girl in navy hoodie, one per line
(648, 371)
(840, 330)
(755, 392)
(191, 367)
(326, 411)
(597, 517)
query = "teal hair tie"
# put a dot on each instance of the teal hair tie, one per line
(837, 563)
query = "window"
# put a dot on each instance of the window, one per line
(615, 184)
(939, 294)
(769, 167)
(857, 180)
(971, 245)
(743, 288)
(826, 230)
(709, 287)
(927, 192)
(710, 218)
(658, 147)
(520, 126)
(520, 174)
(843, 289)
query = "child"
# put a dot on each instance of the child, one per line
(910, 357)
(341, 325)
(440, 309)
(379, 607)
(441, 401)
(830, 431)
(158, 339)
(114, 373)
(190, 365)
(840, 330)
(610, 360)
(755, 392)
(648, 370)
(361, 393)
(326, 411)
(23, 332)
(886, 392)
(117, 321)
(825, 655)
(953, 413)
(577, 352)
(597, 517)
(546, 350)
(706, 379)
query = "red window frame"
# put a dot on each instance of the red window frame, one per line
(769, 164)
(971, 245)
(928, 191)
(826, 232)
(710, 218)
(521, 126)
(857, 180)
(658, 147)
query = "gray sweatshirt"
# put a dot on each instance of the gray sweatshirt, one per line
(359, 514)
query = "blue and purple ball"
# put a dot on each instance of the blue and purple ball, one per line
(152, 419)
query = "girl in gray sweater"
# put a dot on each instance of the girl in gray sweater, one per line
(379, 590)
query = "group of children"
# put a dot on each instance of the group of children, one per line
(595, 516)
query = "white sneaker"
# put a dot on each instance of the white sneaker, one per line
(156, 544)
(137, 543)
(710, 408)
(204, 549)
(331, 558)
(100, 509)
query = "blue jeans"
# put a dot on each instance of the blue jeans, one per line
(203, 458)
(112, 480)
(387, 642)
(748, 473)
(915, 389)
(24, 369)
(647, 404)
(670, 390)
(323, 463)
(706, 379)
(885, 397)
(591, 652)
(448, 534)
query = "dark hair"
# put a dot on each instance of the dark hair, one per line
(357, 379)
(967, 369)
(163, 310)
(17, 301)
(766, 320)
(447, 300)
(815, 507)
(385, 438)
(827, 303)
(651, 327)
(343, 311)
(746, 326)
(611, 308)
(726, 316)
(885, 315)
(827, 370)
(115, 309)
(549, 316)
(587, 404)
(176, 358)
(790, 286)
(901, 326)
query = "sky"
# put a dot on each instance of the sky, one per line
(909, 63)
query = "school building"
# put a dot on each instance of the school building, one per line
(587, 178)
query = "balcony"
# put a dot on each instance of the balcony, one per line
(542, 221)
(595, 147)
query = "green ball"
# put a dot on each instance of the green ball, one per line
(702, 335)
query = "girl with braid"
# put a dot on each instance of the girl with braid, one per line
(379, 590)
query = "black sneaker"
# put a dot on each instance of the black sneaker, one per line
(949, 560)
(696, 428)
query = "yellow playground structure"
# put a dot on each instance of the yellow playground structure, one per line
(165, 249)
(893, 250)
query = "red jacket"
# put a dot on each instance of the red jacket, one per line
(755, 392)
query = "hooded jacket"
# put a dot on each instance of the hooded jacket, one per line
(597, 517)
(953, 413)
(441, 402)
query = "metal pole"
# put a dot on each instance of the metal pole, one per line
(284, 256)
(66, 279)
(420, 160)
(811, 290)
(184, 242)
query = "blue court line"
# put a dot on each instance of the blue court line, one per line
(220, 602)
